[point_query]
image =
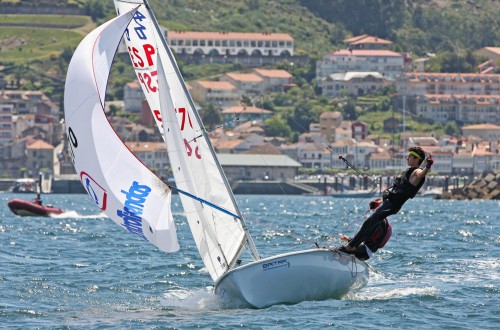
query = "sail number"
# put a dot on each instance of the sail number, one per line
(73, 143)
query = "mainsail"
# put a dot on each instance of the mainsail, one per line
(126, 190)
(219, 236)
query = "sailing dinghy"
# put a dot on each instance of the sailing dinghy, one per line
(138, 200)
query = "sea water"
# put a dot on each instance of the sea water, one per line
(440, 269)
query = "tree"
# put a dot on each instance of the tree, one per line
(301, 118)
(211, 115)
(451, 128)
(277, 127)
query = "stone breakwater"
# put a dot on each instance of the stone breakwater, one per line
(487, 186)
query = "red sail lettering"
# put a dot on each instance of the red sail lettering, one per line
(139, 58)
(184, 115)
(157, 115)
(188, 148)
(149, 50)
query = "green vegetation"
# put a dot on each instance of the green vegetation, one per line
(55, 20)
(37, 48)
(23, 45)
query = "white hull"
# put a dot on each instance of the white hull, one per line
(315, 274)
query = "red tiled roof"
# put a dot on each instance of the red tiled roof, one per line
(237, 109)
(366, 39)
(273, 73)
(366, 52)
(248, 77)
(228, 36)
(216, 84)
(40, 144)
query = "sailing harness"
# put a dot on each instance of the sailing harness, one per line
(402, 189)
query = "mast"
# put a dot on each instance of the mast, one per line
(251, 243)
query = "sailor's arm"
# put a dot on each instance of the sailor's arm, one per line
(420, 173)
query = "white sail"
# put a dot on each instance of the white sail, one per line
(219, 236)
(126, 190)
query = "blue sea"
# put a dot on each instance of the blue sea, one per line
(440, 270)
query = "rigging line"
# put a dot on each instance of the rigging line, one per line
(284, 233)
(203, 201)
(330, 234)
(235, 118)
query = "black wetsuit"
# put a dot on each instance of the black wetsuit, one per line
(377, 240)
(394, 198)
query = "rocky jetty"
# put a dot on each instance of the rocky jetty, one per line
(487, 186)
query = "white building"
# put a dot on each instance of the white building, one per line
(386, 62)
(353, 83)
(231, 43)
(465, 108)
(6, 122)
(422, 83)
(133, 97)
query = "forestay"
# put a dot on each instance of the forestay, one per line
(219, 236)
(130, 194)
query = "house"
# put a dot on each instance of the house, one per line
(153, 155)
(366, 41)
(359, 130)
(313, 155)
(39, 155)
(343, 131)
(353, 83)
(258, 166)
(220, 93)
(28, 102)
(249, 84)
(328, 122)
(491, 53)
(381, 160)
(241, 114)
(275, 80)
(133, 97)
(387, 63)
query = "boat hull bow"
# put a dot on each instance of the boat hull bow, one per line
(316, 274)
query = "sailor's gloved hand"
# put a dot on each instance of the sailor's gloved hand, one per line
(429, 162)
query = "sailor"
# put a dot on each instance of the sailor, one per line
(377, 240)
(405, 187)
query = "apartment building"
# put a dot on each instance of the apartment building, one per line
(422, 83)
(487, 132)
(464, 108)
(231, 43)
(6, 122)
(388, 63)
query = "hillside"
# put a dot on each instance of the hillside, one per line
(37, 49)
